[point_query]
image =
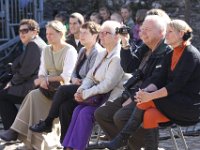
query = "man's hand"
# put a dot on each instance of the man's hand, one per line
(8, 85)
(128, 101)
(125, 40)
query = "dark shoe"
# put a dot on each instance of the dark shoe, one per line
(9, 135)
(41, 127)
(119, 141)
(116, 143)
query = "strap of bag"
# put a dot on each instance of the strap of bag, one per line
(97, 67)
(53, 61)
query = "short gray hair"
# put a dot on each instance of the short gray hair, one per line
(158, 21)
(112, 25)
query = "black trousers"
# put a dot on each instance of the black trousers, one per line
(8, 109)
(112, 117)
(63, 106)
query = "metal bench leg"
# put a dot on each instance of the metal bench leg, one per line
(173, 138)
(180, 133)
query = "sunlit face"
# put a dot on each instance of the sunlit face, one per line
(149, 33)
(53, 36)
(74, 26)
(26, 34)
(173, 37)
(106, 37)
(86, 37)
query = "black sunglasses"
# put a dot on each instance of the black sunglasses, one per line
(23, 31)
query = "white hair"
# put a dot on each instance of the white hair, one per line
(111, 25)
(158, 21)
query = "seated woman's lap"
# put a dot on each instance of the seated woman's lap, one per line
(152, 116)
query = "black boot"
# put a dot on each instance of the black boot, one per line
(42, 126)
(9, 135)
(151, 139)
(131, 126)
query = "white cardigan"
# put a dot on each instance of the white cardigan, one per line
(108, 77)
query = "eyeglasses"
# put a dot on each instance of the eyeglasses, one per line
(24, 31)
(104, 33)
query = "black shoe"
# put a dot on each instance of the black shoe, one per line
(41, 127)
(9, 135)
(117, 142)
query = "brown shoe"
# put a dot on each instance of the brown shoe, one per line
(9, 135)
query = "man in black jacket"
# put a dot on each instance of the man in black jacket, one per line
(144, 62)
(76, 20)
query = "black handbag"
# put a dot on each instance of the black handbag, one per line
(52, 88)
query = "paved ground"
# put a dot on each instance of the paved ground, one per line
(166, 144)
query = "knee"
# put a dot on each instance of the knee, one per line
(149, 119)
(118, 120)
(62, 108)
(61, 89)
(99, 114)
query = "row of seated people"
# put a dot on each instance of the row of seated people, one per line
(98, 74)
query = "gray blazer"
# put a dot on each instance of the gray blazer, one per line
(89, 62)
(25, 68)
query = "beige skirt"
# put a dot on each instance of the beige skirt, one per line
(35, 107)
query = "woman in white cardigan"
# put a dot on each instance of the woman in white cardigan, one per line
(105, 78)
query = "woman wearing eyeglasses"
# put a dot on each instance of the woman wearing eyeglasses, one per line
(24, 71)
(57, 63)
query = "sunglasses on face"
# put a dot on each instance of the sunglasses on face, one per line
(24, 31)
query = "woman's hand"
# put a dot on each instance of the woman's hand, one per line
(76, 81)
(78, 96)
(142, 96)
(38, 81)
(44, 84)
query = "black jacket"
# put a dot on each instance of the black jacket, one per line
(131, 61)
(70, 40)
(183, 87)
(25, 68)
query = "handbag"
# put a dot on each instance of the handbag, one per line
(96, 100)
(52, 88)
